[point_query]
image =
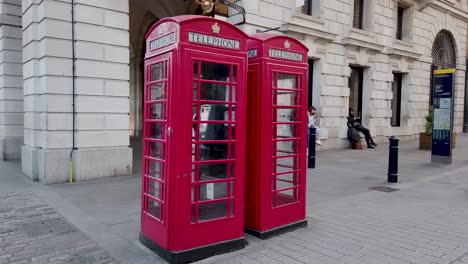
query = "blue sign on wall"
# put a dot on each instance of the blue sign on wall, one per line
(442, 118)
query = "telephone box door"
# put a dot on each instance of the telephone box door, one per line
(288, 144)
(213, 155)
(156, 145)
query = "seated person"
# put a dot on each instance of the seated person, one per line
(355, 122)
(312, 119)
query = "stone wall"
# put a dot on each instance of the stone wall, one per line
(101, 91)
(336, 45)
(11, 80)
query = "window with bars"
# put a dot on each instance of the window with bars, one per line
(358, 14)
(308, 7)
(396, 101)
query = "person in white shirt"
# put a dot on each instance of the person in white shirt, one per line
(312, 119)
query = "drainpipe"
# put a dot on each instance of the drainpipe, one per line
(73, 89)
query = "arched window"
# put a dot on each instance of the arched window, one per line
(443, 51)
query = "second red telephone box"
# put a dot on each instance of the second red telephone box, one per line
(194, 138)
(276, 135)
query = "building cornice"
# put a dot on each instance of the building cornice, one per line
(444, 7)
(404, 49)
(361, 38)
(308, 25)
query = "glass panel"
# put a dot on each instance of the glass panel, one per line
(287, 80)
(195, 69)
(154, 208)
(231, 213)
(216, 171)
(156, 149)
(212, 210)
(193, 193)
(211, 191)
(157, 111)
(155, 130)
(157, 71)
(286, 197)
(285, 130)
(154, 189)
(213, 151)
(286, 98)
(285, 115)
(285, 164)
(213, 112)
(195, 90)
(231, 191)
(193, 171)
(154, 169)
(215, 71)
(234, 90)
(213, 131)
(193, 212)
(234, 73)
(214, 92)
(283, 148)
(157, 91)
(284, 181)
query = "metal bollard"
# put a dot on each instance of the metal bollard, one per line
(311, 154)
(393, 159)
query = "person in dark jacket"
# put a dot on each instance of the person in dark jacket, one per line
(355, 122)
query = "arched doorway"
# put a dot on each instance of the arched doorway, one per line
(444, 55)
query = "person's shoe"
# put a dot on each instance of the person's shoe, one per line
(373, 143)
(370, 146)
(318, 142)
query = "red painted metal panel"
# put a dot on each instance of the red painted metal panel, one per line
(194, 133)
(277, 87)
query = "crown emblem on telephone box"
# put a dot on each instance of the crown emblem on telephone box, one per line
(287, 45)
(216, 28)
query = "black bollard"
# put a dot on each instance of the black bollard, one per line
(393, 159)
(311, 154)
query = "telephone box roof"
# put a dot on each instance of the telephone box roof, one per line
(187, 19)
(268, 37)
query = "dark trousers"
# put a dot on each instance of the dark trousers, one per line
(366, 133)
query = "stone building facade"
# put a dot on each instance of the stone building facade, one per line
(71, 72)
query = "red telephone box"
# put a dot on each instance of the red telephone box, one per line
(276, 137)
(194, 138)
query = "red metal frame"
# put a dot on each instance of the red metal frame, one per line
(276, 155)
(200, 193)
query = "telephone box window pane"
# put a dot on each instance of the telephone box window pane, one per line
(193, 213)
(214, 92)
(154, 208)
(213, 112)
(157, 71)
(195, 90)
(231, 213)
(155, 130)
(156, 150)
(215, 71)
(284, 181)
(286, 164)
(285, 115)
(215, 171)
(211, 191)
(287, 81)
(285, 130)
(154, 169)
(286, 197)
(213, 131)
(210, 211)
(217, 151)
(195, 69)
(154, 189)
(157, 111)
(157, 91)
(234, 73)
(284, 148)
(286, 98)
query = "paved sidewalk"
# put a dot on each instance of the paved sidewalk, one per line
(425, 221)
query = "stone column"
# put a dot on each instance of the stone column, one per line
(101, 91)
(11, 80)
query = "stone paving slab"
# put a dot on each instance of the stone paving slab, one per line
(33, 232)
(422, 223)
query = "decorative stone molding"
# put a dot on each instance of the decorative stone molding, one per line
(404, 49)
(361, 38)
(308, 25)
